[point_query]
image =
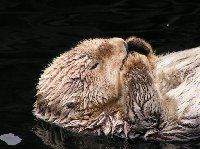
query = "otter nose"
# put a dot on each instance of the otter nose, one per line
(120, 42)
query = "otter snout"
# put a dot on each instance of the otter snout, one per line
(120, 42)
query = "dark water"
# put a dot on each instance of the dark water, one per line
(33, 32)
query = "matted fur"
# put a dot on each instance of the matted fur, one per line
(98, 88)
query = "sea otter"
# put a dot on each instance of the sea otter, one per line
(120, 87)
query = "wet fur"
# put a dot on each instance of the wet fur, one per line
(155, 97)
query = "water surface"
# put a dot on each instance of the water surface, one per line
(33, 32)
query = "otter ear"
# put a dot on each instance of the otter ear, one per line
(139, 45)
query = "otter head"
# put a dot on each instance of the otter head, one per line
(97, 73)
(83, 79)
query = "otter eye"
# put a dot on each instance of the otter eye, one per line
(94, 66)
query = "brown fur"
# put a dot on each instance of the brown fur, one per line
(97, 87)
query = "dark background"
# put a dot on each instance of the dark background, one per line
(32, 32)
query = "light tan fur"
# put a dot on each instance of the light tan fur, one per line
(97, 87)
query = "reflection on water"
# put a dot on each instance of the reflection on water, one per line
(60, 138)
(33, 32)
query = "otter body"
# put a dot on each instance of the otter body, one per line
(100, 88)
(179, 85)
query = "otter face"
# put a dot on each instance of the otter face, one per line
(100, 76)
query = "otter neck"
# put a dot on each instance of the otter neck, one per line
(142, 100)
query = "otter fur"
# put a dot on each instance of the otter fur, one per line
(119, 87)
